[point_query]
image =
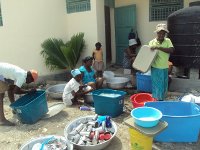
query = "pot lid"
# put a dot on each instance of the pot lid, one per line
(54, 110)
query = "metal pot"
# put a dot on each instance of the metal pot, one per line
(117, 82)
(41, 140)
(88, 98)
(55, 91)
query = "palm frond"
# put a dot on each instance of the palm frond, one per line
(53, 55)
(58, 55)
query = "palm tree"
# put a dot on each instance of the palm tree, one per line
(60, 55)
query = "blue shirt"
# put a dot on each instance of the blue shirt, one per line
(88, 76)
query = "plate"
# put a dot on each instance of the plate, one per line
(54, 110)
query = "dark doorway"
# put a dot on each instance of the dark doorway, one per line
(108, 35)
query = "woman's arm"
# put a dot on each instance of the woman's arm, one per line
(128, 51)
(166, 50)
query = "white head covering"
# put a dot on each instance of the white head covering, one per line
(75, 72)
(160, 27)
(132, 42)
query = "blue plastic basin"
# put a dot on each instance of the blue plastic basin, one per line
(31, 107)
(183, 121)
(108, 102)
(146, 116)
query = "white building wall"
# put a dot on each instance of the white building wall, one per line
(101, 26)
(85, 22)
(26, 24)
(144, 27)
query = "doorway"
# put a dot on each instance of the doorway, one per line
(108, 35)
(125, 20)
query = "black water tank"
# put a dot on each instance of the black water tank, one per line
(184, 32)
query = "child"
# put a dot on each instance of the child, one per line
(73, 88)
(98, 60)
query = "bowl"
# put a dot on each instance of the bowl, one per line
(108, 74)
(117, 82)
(76, 122)
(55, 91)
(31, 143)
(139, 99)
(146, 116)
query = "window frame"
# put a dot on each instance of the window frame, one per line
(76, 6)
(162, 6)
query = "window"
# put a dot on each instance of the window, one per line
(1, 22)
(78, 6)
(161, 9)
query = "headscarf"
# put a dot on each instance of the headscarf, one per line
(34, 74)
(132, 42)
(75, 72)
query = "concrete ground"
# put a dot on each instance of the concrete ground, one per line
(12, 138)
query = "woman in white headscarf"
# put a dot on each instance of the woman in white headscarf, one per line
(130, 54)
(129, 57)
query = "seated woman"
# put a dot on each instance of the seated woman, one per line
(130, 54)
(129, 57)
(73, 89)
(88, 74)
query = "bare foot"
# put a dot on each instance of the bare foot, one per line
(6, 123)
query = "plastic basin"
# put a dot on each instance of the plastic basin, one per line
(146, 116)
(108, 102)
(30, 107)
(183, 120)
(139, 99)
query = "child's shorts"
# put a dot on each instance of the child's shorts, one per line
(98, 65)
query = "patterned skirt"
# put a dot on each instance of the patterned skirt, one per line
(159, 83)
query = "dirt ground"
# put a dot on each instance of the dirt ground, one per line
(11, 138)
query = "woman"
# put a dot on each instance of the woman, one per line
(159, 69)
(88, 74)
(129, 57)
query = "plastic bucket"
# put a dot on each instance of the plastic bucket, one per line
(140, 141)
(144, 82)
(139, 99)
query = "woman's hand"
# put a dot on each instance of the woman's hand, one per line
(82, 86)
(33, 90)
(154, 48)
